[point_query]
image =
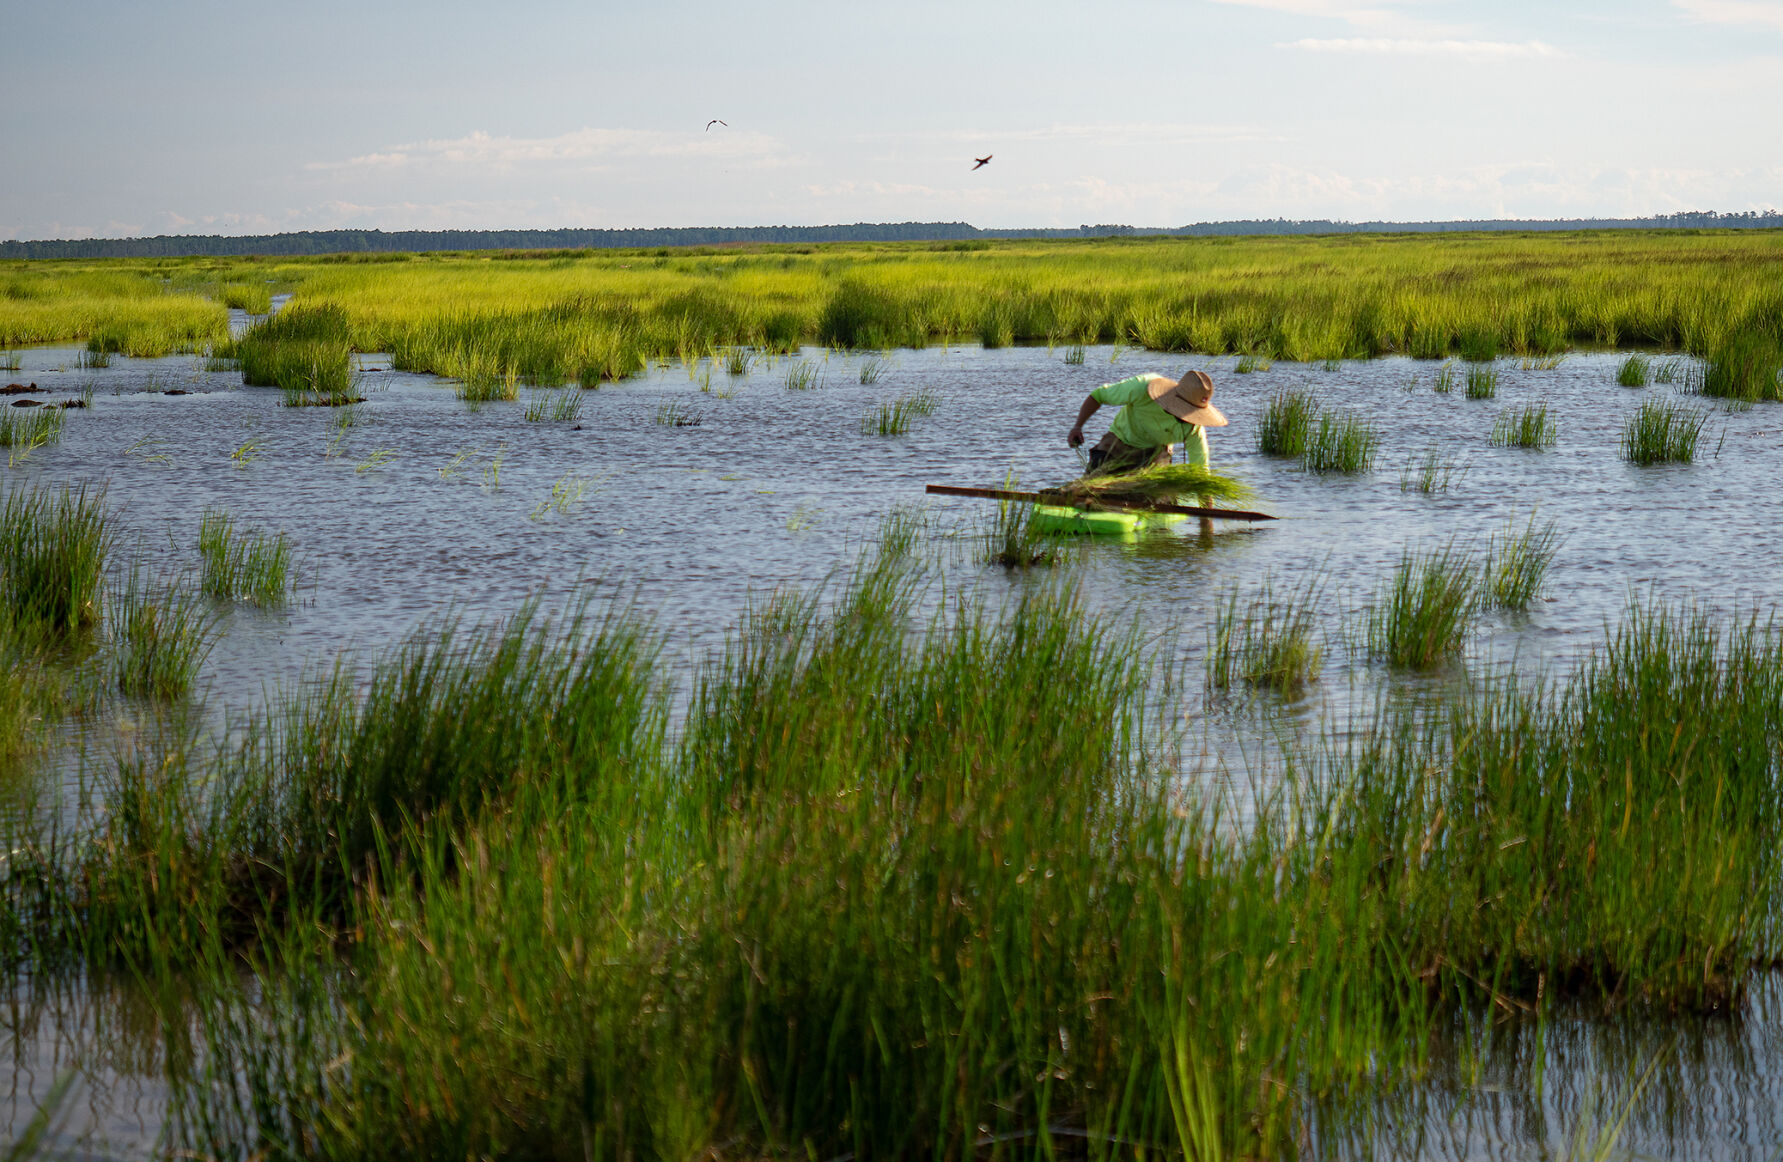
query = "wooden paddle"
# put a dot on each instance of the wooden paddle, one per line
(1079, 502)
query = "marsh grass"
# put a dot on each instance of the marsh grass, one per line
(1746, 367)
(160, 637)
(254, 298)
(239, 564)
(738, 360)
(1074, 355)
(556, 405)
(1541, 362)
(26, 429)
(1446, 379)
(94, 359)
(894, 418)
(1341, 442)
(1525, 427)
(53, 546)
(10, 361)
(1433, 471)
(1636, 371)
(1250, 362)
(804, 375)
(1422, 617)
(675, 414)
(856, 899)
(1673, 370)
(1516, 564)
(377, 458)
(1482, 381)
(567, 492)
(1266, 640)
(1286, 424)
(1661, 432)
(1015, 542)
(872, 367)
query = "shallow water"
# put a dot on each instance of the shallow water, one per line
(399, 519)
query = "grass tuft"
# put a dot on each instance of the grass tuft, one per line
(239, 564)
(1636, 371)
(1431, 472)
(1341, 442)
(159, 638)
(1661, 433)
(1747, 368)
(1266, 641)
(675, 414)
(1482, 381)
(1517, 564)
(1524, 427)
(53, 545)
(1286, 424)
(1423, 616)
(804, 375)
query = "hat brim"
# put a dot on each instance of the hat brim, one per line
(1163, 393)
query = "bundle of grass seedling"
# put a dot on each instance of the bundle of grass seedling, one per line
(53, 544)
(1524, 427)
(1661, 432)
(1445, 379)
(675, 414)
(1016, 540)
(1482, 381)
(241, 564)
(1191, 484)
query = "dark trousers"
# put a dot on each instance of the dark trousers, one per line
(1113, 455)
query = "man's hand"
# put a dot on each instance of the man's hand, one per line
(1076, 436)
(1090, 407)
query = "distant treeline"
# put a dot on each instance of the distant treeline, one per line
(380, 241)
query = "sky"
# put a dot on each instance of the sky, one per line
(203, 117)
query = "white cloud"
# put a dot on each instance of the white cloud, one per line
(500, 152)
(1765, 13)
(1385, 46)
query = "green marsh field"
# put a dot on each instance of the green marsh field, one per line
(521, 706)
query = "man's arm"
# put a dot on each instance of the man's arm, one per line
(1090, 407)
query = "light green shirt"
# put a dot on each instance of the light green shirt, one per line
(1143, 424)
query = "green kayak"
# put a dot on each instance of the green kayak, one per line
(1056, 518)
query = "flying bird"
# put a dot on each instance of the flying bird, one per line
(716, 121)
(982, 161)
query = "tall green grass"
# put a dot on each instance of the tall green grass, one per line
(1661, 432)
(241, 564)
(593, 317)
(1266, 640)
(1529, 426)
(1286, 424)
(1482, 381)
(901, 881)
(29, 428)
(254, 298)
(1341, 442)
(1746, 367)
(1516, 564)
(53, 545)
(1424, 614)
(160, 637)
(1636, 371)
(894, 418)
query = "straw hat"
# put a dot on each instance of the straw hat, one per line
(1189, 399)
